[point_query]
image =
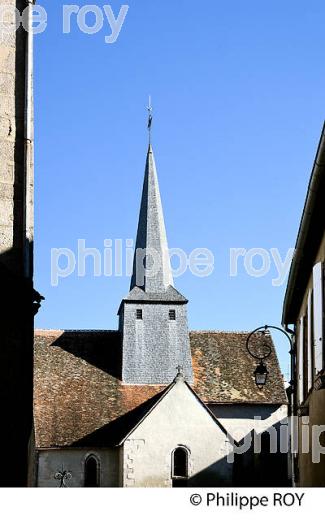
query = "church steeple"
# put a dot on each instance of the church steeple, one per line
(151, 267)
(153, 316)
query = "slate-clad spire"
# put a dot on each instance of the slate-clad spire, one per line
(153, 316)
(151, 240)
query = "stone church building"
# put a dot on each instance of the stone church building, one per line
(148, 404)
(152, 404)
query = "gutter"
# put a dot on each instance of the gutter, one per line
(304, 228)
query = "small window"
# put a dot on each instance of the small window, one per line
(180, 467)
(92, 478)
(172, 314)
(180, 463)
(139, 314)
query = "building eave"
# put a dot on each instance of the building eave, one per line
(247, 403)
(309, 238)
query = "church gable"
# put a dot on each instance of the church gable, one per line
(178, 421)
(179, 404)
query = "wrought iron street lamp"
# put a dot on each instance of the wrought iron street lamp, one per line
(261, 372)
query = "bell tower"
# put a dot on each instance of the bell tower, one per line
(153, 316)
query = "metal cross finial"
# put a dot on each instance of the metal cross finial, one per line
(149, 118)
(179, 369)
(179, 375)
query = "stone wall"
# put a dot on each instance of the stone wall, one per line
(179, 419)
(16, 224)
(13, 189)
(51, 462)
(309, 472)
(254, 426)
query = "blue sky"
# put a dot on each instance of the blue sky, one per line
(238, 95)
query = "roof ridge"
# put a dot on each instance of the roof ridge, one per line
(216, 331)
(36, 331)
(193, 331)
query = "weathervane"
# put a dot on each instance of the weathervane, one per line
(149, 118)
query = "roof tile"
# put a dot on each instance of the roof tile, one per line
(78, 388)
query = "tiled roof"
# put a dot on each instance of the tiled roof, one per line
(224, 371)
(79, 398)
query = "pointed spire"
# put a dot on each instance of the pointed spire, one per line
(151, 267)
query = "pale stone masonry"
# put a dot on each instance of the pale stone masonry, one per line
(153, 317)
(16, 184)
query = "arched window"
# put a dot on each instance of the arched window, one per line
(180, 458)
(92, 475)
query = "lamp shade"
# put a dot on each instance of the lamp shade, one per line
(261, 373)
